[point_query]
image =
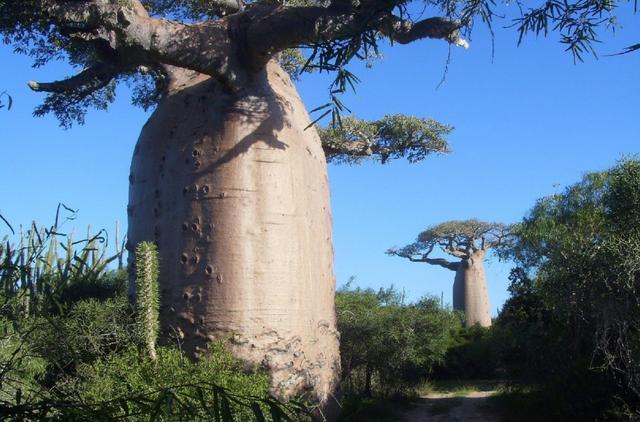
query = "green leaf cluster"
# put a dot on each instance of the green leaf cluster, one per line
(392, 137)
(173, 387)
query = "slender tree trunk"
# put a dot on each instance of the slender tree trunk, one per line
(234, 191)
(470, 291)
(367, 380)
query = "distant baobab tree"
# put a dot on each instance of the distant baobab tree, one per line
(469, 241)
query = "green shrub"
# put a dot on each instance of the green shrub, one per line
(131, 382)
(572, 324)
(21, 371)
(47, 271)
(471, 355)
(109, 285)
(90, 330)
(389, 347)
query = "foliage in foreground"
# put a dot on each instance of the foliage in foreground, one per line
(471, 355)
(91, 364)
(73, 348)
(572, 324)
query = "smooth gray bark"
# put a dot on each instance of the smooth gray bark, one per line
(234, 191)
(470, 293)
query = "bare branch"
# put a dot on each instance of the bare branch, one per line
(410, 252)
(453, 266)
(87, 81)
(204, 47)
(458, 253)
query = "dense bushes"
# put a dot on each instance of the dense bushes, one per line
(90, 364)
(387, 346)
(172, 387)
(89, 331)
(572, 324)
(570, 331)
(470, 355)
(73, 348)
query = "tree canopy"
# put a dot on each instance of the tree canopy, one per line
(139, 41)
(459, 238)
(393, 136)
(575, 312)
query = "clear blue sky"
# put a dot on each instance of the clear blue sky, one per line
(527, 123)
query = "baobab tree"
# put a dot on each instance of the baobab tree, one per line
(468, 241)
(228, 177)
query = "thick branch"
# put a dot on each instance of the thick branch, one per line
(420, 253)
(275, 29)
(405, 32)
(455, 246)
(204, 47)
(87, 81)
(453, 266)
(228, 6)
(352, 149)
(211, 47)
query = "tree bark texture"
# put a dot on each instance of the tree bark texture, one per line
(234, 191)
(470, 290)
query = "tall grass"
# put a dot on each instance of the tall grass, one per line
(39, 263)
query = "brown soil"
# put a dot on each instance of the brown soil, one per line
(451, 408)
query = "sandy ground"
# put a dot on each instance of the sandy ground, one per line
(450, 408)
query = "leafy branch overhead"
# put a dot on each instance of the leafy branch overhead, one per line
(143, 41)
(392, 137)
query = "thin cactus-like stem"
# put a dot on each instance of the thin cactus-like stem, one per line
(147, 295)
(119, 247)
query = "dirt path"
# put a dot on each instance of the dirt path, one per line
(451, 408)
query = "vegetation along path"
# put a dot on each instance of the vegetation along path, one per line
(451, 407)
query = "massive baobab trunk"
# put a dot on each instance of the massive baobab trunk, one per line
(470, 293)
(469, 241)
(234, 191)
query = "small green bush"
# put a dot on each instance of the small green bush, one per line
(389, 347)
(173, 382)
(110, 285)
(20, 369)
(91, 330)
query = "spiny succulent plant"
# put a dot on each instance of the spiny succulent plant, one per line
(147, 295)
